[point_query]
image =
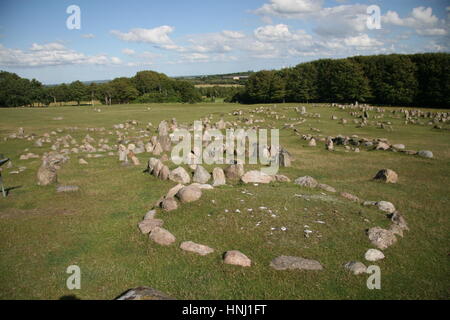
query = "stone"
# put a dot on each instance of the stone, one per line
(399, 220)
(284, 158)
(292, 263)
(180, 175)
(386, 206)
(147, 225)
(148, 147)
(151, 165)
(158, 166)
(425, 154)
(326, 187)
(134, 160)
(196, 248)
(169, 204)
(203, 186)
(173, 191)
(67, 188)
(237, 258)
(218, 177)
(150, 214)
(189, 194)
(163, 128)
(165, 142)
(123, 153)
(329, 144)
(164, 173)
(281, 178)
(256, 176)
(47, 174)
(157, 150)
(306, 181)
(381, 238)
(399, 146)
(82, 161)
(373, 255)
(382, 146)
(162, 236)
(355, 267)
(201, 175)
(234, 171)
(396, 229)
(349, 196)
(144, 293)
(387, 175)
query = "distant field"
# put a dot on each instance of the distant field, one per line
(218, 85)
(43, 232)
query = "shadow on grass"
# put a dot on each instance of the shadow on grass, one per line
(7, 190)
(69, 297)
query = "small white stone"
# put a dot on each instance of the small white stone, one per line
(373, 255)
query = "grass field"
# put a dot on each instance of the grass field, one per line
(43, 232)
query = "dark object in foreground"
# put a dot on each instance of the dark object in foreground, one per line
(2, 162)
(143, 293)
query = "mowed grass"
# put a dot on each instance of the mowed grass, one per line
(43, 232)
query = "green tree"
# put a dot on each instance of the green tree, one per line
(265, 86)
(187, 92)
(78, 92)
(122, 90)
(392, 78)
(301, 83)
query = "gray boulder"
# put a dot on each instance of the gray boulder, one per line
(306, 181)
(201, 175)
(189, 194)
(180, 175)
(196, 248)
(381, 238)
(162, 236)
(356, 267)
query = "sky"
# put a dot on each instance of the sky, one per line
(48, 41)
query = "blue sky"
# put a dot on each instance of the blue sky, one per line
(191, 37)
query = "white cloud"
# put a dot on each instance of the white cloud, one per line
(47, 47)
(336, 21)
(222, 42)
(341, 21)
(432, 32)
(128, 52)
(50, 54)
(158, 36)
(362, 40)
(195, 57)
(116, 60)
(281, 32)
(88, 36)
(233, 34)
(289, 8)
(421, 19)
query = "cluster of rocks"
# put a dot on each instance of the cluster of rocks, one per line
(354, 143)
(153, 227)
(410, 116)
(379, 237)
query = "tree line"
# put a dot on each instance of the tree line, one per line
(403, 80)
(396, 79)
(144, 87)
